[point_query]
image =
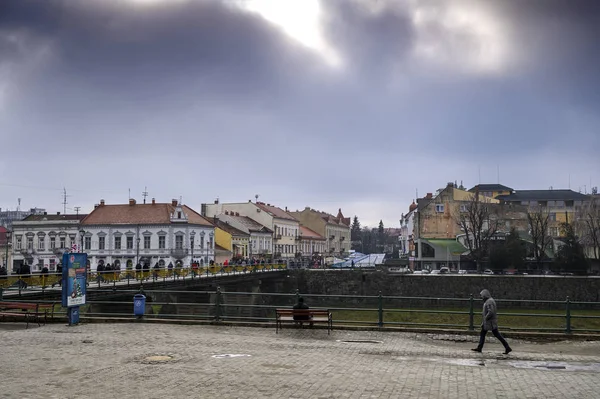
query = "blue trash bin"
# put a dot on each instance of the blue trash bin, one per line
(139, 305)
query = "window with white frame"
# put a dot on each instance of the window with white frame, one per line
(63, 242)
(101, 242)
(147, 242)
(30, 243)
(161, 242)
(41, 243)
(129, 242)
(52, 242)
(439, 208)
(463, 208)
(178, 242)
(87, 242)
(19, 243)
(118, 242)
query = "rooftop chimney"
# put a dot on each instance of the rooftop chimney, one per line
(153, 201)
(429, 196)
(101, 202)
(45, 213)
(96, 206)
(58, 213)
(131, 201)
(216, 201)
(286, 209)
(174, 202)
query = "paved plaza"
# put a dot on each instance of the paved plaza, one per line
(142, 360)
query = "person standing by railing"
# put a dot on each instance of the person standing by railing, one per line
(490, 322)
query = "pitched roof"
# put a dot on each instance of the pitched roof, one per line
(310, 234)
(491, 187)
(43, 218)
(275, 211)
(544, 195)
(140, 214)
(251, 224)
(229, 228)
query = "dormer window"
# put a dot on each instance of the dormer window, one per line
(179, 215)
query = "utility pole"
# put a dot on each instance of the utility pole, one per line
(77, 208)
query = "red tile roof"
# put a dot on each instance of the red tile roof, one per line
(140, 214)
(275, 211)
(310, 234)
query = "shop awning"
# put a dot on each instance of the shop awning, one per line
(442, 246)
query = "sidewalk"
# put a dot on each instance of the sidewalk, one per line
(177, 361)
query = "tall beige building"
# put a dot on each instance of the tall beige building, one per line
(335, 229)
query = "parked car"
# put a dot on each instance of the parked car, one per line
(444, 270)
(462, 272)
(436, 272)
(488, 271)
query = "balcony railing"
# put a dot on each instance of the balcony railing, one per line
(277, 236)
(179, 252)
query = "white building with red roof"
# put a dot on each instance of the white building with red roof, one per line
(127, 234)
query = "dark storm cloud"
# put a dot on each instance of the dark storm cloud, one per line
(201, 99)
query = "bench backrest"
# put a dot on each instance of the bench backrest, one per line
(302, 312)
(25, 305)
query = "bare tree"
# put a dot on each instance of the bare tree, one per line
(479, 220)
(589, 226)
(538, 219)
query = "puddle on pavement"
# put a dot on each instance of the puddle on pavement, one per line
(563, 366)
(466, 362)
(360, 341)
(229, 355)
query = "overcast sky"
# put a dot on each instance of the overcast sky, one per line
(337, 103)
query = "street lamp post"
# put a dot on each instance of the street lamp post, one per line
(192, 248)
(137, 252)
(202, 234)
(8, 236)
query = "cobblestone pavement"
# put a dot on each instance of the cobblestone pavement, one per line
(131, 361)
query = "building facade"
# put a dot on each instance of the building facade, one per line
(124, 235)
(260, 238)
(561, 205)
(284, 226)
(335, 229)
(40, 240)
(232, 239)
(491, 190)
(312, 244)
(406, 239)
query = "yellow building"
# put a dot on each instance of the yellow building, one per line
(232, 239)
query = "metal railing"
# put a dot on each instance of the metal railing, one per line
(127, 277)
(379, 311)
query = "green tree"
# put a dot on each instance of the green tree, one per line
(508, 253)
(355, 229)
(570, 256)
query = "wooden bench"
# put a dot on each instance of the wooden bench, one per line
(29, 310)
(301, 316)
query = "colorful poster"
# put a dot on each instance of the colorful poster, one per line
(74, 279)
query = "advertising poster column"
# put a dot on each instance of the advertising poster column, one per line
(74, 284)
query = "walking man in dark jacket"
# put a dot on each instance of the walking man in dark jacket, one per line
(490, 322)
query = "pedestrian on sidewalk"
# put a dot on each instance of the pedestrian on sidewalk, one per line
(490, 322)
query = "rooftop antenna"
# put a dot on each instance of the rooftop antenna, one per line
(77, 208)
(65, 200)
(145, 194)
(19, 204)
(129, 195)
